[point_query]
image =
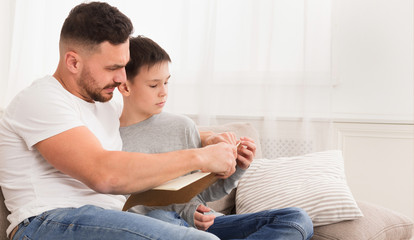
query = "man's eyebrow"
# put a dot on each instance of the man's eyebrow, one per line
(115, 66)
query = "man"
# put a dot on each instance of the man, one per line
(62, 171)
(145, 127)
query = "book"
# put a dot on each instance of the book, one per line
(180, 182)
(178, 190)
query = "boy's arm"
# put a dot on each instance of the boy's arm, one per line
(78, 153)
(222, 187)
(186, 211)
(191, 213)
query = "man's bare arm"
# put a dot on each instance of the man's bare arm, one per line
(78, 153)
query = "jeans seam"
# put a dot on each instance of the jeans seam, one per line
(97, 227)
(296, 226)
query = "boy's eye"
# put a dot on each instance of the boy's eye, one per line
(153, 86)
(166, 83)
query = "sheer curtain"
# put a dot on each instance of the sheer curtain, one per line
(267, 61)
(30, 49)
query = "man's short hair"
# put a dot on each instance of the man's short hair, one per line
(144, 52)
(90, 24)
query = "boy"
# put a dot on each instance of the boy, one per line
(145, 128)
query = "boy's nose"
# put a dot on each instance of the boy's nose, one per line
(163, 91)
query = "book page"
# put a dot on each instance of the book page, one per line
(180, 182)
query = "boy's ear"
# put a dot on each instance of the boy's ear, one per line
(124, 89)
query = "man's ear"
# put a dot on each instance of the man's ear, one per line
(124, 89)
(72, 61)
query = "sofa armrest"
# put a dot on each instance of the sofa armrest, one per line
(378, 223)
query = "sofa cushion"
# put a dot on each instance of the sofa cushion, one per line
(314, 182)
(378, 223)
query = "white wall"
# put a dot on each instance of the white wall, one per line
(372, 65)
(379, 163)
(373, 60)
(6, 23)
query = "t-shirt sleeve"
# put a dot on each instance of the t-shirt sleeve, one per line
(38, 115)
(222, 187)
(193, 135)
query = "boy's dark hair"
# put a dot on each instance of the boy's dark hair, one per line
(143, 52)
(92, 23)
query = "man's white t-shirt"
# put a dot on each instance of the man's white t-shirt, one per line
(29, 183)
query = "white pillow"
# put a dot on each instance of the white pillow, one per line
(314, 182)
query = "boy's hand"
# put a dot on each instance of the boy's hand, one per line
(201, 221)
(245, 152)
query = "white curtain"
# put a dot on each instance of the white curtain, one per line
(264, 61)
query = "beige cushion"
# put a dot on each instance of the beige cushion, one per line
(378, 223)
(314, 182)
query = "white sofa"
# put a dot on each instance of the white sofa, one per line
(378, 222)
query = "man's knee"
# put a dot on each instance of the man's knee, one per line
(201, 235)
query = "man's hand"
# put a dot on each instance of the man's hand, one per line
(245, 152)
(219, 158)
(201, 221)
(209, 138)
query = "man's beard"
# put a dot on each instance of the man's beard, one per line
(91, 87)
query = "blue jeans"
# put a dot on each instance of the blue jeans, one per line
(91, 222)
(286, 223)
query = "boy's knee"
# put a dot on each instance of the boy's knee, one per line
(303, 220)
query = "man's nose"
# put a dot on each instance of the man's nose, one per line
(120, 76)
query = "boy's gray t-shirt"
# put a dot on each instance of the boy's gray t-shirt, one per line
(166, 132)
